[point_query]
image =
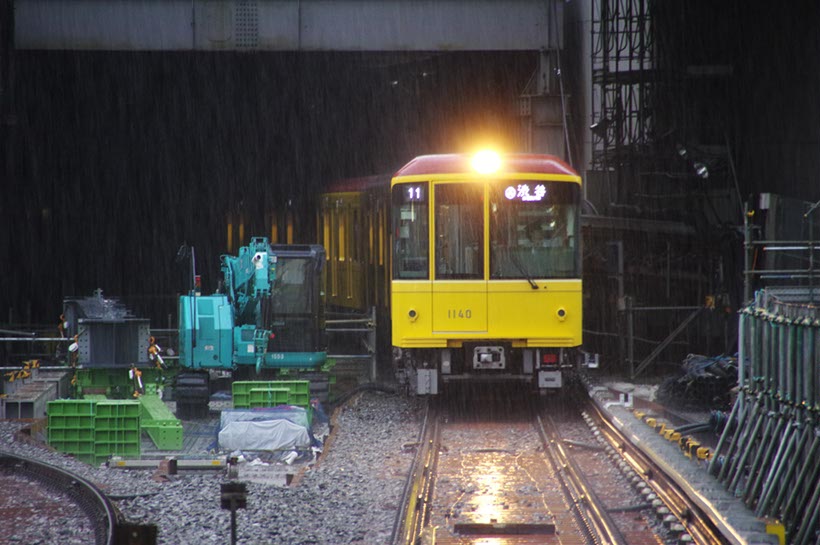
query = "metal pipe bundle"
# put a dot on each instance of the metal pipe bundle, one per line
(768, 450)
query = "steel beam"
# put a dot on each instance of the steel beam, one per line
(290, 25)
(666, 342)
(182, 463)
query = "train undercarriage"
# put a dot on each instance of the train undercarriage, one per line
(425, 371)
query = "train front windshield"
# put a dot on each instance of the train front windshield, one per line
(534, 230)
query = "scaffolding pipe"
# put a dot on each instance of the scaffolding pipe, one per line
(782, 245)
(757, 352)
(782, 273)
(736, 469)
(769, 502)
(782, 363)
(809, 373)
(764, 463)
(807, 475)
(747, 255)
(736, 409)
(808, 524)
(34, 339)
(804, 459)
(766, 349)
(790, 363)
(368, 321)
(761, 451)
(741, 351)
(630, 335)
(741, 431)
(766, 480)
(750, 324)
(774, 358)
(799, 363)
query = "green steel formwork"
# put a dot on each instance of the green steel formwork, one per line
(72, 407)
(261, 394)
(93, 430)
(268, 397)
(117, 409)
(299, 399)
(117, 429)
(58, 435)
(71, 428)
(164, 429)
(115, 383)
(298, 391)
(71, 422)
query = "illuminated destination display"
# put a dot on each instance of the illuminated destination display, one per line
(524, 192)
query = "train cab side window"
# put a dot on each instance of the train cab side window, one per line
(459, 231)
(411, 231)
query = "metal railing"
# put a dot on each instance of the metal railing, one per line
(352, 338)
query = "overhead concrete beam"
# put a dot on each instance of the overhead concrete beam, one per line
(289, 25)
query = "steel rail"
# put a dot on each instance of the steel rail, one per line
(598, 523)
(97, 507)
(414, 512)
(695, 520)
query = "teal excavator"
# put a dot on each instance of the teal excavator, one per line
(266, 319)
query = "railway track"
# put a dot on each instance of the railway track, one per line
(42, 496)
(517, 480)
(689, 517)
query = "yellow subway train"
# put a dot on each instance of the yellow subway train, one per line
(474, 260)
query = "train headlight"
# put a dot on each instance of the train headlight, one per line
(562, 314)
(412, 315)
(486, 162)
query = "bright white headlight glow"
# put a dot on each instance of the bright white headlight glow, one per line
(486, 162)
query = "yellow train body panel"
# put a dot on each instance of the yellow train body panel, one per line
(547, 317)
(433, 314)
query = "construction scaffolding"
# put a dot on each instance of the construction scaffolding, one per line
(623, 78)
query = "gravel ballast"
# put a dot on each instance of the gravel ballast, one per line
(350, 495)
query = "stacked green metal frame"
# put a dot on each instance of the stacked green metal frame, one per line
(94, 430)
(117, 429)
(256, 394)
(71, 428)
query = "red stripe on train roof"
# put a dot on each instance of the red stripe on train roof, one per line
(454, 163)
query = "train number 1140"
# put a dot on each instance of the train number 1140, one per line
(464, 313)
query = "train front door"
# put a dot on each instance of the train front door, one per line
(460, 287)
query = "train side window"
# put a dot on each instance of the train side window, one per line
(411, 231)
(459, 229)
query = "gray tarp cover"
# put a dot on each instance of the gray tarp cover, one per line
(265, 435)
(297, 415)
